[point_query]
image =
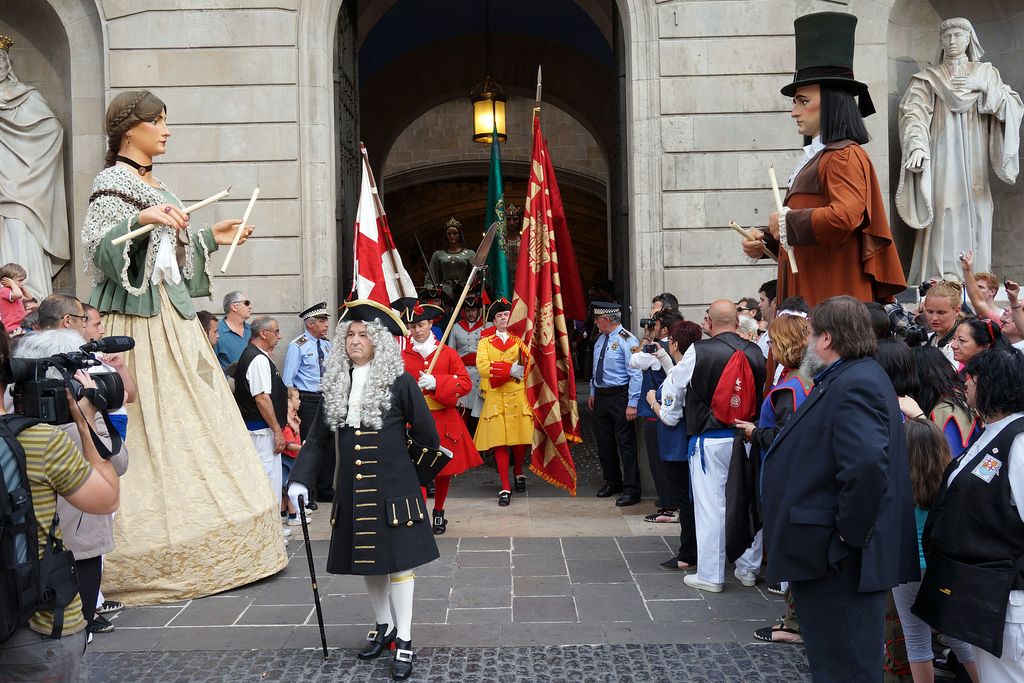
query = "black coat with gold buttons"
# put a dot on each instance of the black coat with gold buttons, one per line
(380, 521)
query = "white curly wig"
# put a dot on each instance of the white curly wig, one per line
(385, 367)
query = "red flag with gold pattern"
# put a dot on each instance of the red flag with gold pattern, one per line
(539, 319)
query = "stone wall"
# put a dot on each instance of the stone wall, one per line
(444, 134)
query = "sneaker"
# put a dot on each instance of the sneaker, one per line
(110, 607)
(294, 521)
(101, 625)
(748, 579)
(287, 532)
(692, 581)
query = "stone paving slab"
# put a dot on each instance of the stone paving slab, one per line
(719, 662)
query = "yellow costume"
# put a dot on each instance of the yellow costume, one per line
(505, 419)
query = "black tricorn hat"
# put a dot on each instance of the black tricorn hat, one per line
(824, 55)
(365, 310)
(421, 312)
(499, 306)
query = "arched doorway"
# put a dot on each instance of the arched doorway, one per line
(913, 43)
(438, 61)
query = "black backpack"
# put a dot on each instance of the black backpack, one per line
(27, 583)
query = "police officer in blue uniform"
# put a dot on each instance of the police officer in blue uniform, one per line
(303, 369)
(614, 395)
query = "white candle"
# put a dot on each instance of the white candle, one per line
(778, 206)
(137, 232)
(241, 227)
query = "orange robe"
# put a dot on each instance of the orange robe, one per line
(839, 230)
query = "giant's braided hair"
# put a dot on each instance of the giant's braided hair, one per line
(127, 110)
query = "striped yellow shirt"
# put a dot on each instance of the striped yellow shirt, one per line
(55, 466)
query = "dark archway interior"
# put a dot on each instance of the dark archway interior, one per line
(416, 54)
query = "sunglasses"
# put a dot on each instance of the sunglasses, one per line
(246, 302)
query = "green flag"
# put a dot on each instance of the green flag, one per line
(498, 284)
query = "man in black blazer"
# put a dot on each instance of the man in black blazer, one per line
(838, 512)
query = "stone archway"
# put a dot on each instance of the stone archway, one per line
(912, 43)
(317, 26)
(59, 50)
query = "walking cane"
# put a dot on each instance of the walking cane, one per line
(312, 575)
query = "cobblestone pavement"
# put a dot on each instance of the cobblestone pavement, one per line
(591, 663)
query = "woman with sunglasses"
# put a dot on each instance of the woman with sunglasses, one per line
(196, 503)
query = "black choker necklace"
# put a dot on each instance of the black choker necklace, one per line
(143, 170)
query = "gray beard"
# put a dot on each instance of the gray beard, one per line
(812, 363)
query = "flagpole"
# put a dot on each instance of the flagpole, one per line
(379, 206)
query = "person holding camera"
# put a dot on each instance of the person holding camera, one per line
(190, 453)
(88, 536)
(87, 482)
(941, 308)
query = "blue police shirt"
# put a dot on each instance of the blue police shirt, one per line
(301, 363)
(620, 344)
(229, 345)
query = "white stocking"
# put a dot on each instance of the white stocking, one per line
(401, 600)
(377, 587)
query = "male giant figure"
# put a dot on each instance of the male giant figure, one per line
(837, 507)
(834, 213)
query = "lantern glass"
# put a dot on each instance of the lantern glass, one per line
(488, 115)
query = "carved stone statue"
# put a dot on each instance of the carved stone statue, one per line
(956, 119)
(33, 211)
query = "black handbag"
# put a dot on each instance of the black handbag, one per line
(966, 602)
(428, 461)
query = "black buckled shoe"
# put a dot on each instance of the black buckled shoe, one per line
(440, 523)
(520, 483)
(380, 640)
(504, 499)
(401, 666)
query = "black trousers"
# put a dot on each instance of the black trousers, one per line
(89, 574)
(677, 475)
(843, 629)
(309, 403)
(616, 441)
(657, 465)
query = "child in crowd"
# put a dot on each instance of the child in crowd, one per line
(13, 296)
(292, 444)
(929, 455)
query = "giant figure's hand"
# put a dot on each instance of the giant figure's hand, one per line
(754, 248)
(224, 231)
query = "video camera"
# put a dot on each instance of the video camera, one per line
(36, 395)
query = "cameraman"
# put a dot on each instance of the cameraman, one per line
(112, 362)
(88, 536)
(87, 482)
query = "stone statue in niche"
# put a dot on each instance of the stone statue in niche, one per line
(956, 119)
(33, 211)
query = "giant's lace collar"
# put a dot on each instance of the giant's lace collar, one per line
(107, 210)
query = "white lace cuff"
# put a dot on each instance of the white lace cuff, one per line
(783, 235)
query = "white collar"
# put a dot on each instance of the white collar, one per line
(503, 335)
(813, 148)
(426, 348)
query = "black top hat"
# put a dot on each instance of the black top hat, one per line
(315, 311)
(824, 55)
(499, 306)
(364, 310)
(421, 312)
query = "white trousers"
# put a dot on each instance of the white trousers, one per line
(263, 442)
(1010, 667)
(708, 475)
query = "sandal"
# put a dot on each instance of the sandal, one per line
(672, 565)
(767, 634)
(663, 516)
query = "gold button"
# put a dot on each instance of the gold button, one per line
(358, 447)
(359, 463)
(358, 433)
(424, 450)
(409, 523)
(358, 477)
(408, 442)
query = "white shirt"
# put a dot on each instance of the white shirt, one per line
(1015, 611)
(426, 348)
(810, 151)
(673, 389)
(355, 395)
(258, 374)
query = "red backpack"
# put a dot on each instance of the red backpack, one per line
(735, 393)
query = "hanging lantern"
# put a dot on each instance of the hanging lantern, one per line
(488, 111)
